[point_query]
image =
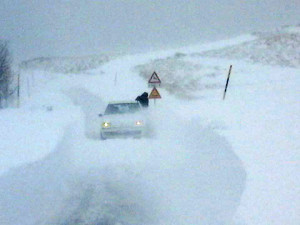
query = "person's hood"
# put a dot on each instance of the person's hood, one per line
(145, 94)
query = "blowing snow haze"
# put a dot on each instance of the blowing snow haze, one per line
(77, 27)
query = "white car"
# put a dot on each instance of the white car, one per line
(123, 119)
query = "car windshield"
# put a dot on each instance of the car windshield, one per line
(122, 108)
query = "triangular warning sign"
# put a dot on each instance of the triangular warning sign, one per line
(154, 79)
(154, 94)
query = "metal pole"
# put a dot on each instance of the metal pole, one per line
(227, 82)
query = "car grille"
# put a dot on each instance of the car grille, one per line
(117, 133)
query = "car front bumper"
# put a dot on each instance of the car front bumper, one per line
(121, 132)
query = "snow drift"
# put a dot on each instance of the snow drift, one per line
(185, 174)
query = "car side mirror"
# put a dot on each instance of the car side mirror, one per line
(100, 115)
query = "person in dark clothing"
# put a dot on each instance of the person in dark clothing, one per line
(143, 99)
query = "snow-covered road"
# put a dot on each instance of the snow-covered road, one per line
(209, 161)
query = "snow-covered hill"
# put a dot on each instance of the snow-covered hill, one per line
(278, 48)
(66, 64)
(189, 74)
(185, 77)
(209, 162)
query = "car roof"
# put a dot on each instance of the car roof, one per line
(120, 102)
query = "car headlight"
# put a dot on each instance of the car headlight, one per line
(105, 124)
(139, 123)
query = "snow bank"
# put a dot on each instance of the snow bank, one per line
(29, 135)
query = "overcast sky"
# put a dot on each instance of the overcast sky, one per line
(79, 27)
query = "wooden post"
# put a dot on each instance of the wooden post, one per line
(227, 82)
(116, 79)
(18, 91)
(32, 80)
(28, 87)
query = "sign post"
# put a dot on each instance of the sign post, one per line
(154, 94)
(154, 81)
